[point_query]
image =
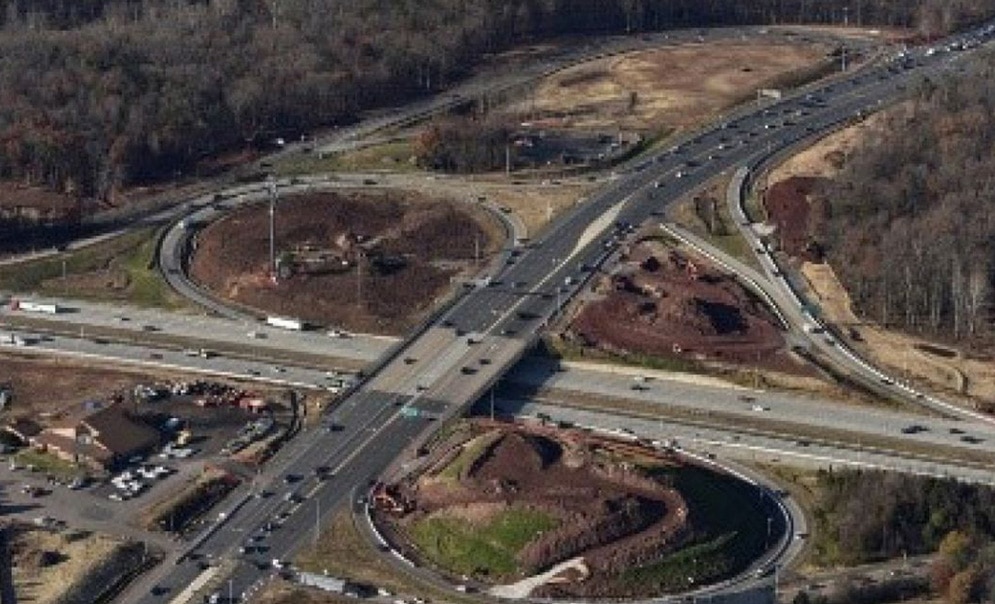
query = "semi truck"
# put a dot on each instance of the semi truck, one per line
(29, 306)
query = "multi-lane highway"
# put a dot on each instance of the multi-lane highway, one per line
(441, 370)
(445, 367)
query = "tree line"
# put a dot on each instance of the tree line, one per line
(909, 223)
(98, 95)
(869, 516)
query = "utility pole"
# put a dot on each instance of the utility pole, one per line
(317, 519)
(359, 278)
(507, 158)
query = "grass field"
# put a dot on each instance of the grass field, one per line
(394, 156)
(120, 269)
(46, 463)
(487, 549)
(343, 551)
(560, 349)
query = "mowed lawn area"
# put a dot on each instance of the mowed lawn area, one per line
(487, 548)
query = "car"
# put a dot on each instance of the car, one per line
(759, 408)
(292, 478)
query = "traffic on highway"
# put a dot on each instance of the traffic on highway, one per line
(443, 368)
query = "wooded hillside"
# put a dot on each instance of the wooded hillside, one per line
(912, 225)
(98, 94)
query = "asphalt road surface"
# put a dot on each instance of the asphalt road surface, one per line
(731, 443)
(498, 321)
(756, 406)
(506, 313)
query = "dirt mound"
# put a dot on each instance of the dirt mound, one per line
(366, 262)
(791, 207)
(663, 303)
(516, 458)
(604, 509)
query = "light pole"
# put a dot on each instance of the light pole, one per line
(317, 520)
(231, 590)
(271, 184)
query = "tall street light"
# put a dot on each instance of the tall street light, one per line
(271, 184)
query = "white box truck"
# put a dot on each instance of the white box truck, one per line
(285, 323)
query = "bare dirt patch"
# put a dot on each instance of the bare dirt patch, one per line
(371, 262)
(674, 87)
(48, 563)
(825, 158)
(46, 385)
(789, 209)
(902, 354)
(594, 504)
(663, 303)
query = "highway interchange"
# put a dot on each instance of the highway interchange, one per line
(497, 323)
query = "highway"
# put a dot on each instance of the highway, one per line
(84, 319)
(444, 368)
(502, 318)
(716, 404)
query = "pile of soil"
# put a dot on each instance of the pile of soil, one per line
(392, 254)
(662, 303)
(789, 208)
(608, 511)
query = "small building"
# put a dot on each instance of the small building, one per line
(104, 438)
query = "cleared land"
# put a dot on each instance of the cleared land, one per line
(371, 262)
(675, 87)
(788, 188)
(500, 503)
(665, 304)
(48, 563)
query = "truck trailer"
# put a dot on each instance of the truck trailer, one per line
(285, 323)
